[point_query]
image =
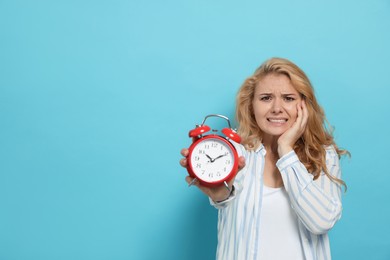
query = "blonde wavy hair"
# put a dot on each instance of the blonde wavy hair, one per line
(310, 148)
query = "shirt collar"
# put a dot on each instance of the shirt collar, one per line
(261, 149)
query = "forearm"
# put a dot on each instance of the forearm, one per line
(316, 206)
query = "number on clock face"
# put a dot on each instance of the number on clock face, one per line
(212, 160)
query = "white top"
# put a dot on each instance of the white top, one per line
(317, 204)
(279, 234)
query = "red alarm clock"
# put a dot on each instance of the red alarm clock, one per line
(212, 158)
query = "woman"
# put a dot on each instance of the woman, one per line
(287, 194)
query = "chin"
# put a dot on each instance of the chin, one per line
(278, 132)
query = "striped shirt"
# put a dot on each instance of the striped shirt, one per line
(317, 204)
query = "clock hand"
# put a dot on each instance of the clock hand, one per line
(220, 156)
(211, 159)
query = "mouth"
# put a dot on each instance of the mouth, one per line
(277, 120)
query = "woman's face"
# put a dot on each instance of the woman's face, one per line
(275, 104)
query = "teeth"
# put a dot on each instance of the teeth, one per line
(277, 120)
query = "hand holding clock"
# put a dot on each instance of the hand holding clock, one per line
(217, 193)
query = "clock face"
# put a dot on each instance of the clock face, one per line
(212, 159)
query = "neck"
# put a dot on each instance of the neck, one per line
(271, 145)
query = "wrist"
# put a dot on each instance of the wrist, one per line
(283, 150)
(230, 193)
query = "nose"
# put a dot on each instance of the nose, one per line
(277, 106)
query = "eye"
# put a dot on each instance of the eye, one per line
(289, 98)
(265, 98)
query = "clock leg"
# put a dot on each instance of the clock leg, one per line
(192, 182)
(227, 186)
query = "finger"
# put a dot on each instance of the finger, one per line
(184, 152)
(297, 124)
(241, 162)
(189, 179)
(183, 162)
(305, 114)
(299, 116)
(192, 181)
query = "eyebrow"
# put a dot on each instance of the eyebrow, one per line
(283, 94)
(289, 94)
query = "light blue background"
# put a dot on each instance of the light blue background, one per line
(97, 97)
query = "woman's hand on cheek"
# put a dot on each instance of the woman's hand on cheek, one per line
(287, 140)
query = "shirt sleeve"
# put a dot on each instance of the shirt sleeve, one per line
(316, 202)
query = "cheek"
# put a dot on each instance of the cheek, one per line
(292, 111)
(259, 112)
